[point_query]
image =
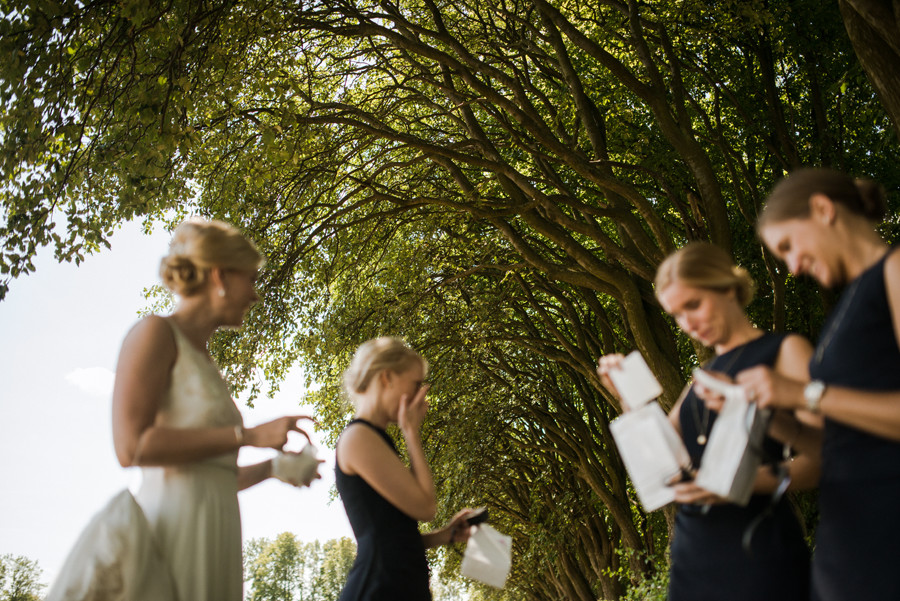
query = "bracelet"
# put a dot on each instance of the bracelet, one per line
(239, 435)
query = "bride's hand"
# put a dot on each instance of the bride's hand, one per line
(274, 434)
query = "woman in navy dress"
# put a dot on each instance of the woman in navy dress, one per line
(706, 294)
(384, 498)
(822, 223)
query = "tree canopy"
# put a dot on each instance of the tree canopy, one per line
(20, 578)
(494, 180)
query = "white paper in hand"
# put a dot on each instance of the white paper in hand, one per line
(652, 452)
(716, 385)
(488, 556)
(635, 382)
(731, 457)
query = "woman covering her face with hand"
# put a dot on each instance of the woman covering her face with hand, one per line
(173, 416)
(822, 223)
(706, 294)
(384, 498)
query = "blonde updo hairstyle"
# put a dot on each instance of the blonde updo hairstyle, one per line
(199, 245)
(705, 265)
(376, 356)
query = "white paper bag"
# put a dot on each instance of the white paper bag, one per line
(733, 452)
(653, 453)
(634, 381)
(488, 556)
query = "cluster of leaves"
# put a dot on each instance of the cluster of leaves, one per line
(494, 180)
(20, 579)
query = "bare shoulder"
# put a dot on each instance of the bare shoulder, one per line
(892, 269)
(796, 345)
(359, 435)
(357, 444)
(151, 335)
(794, 356)
(892, 286)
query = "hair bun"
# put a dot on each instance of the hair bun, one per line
(181, 275)
(873, 199)
(197, 246)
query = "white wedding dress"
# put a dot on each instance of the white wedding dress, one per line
(182, 540)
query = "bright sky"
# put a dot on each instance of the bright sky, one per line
(61, 329)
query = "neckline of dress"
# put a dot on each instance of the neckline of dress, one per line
(180, 333)
(368, 423)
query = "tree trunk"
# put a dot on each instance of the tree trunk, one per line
(874, 30)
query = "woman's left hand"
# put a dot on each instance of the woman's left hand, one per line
(690, 493)
(769, 389)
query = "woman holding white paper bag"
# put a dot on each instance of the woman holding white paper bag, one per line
(823, 223)
(173, 416)
(706, 294)
(384, 498)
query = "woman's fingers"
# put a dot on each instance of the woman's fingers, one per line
(688, 492)
(606, 364)
(294, 427)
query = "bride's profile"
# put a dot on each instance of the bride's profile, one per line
(179, 536)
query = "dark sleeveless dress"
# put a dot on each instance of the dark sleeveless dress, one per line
(390, 560)
(858, 536)
(708, 562)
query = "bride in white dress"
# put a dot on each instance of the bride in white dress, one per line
(173, 415)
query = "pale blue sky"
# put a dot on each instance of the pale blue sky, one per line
(61, 329)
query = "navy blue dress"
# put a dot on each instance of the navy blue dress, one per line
(390, 560)
(708, 561)
(858, 536)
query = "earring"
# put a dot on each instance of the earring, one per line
(221, 293)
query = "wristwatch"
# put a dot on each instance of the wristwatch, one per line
(813, 393)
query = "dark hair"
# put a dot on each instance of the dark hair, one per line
(790, 197)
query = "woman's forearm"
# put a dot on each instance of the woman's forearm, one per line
(251, 475)
(160, 446)
(420, 470)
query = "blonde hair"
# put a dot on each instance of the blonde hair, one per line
(705, 265)
(378, 355)
(197, 246)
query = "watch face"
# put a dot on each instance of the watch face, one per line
(813, 394)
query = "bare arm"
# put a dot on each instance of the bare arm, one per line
(801, 430)
(143, 375)
(362, 452)
(873, 412)
(251, 475)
